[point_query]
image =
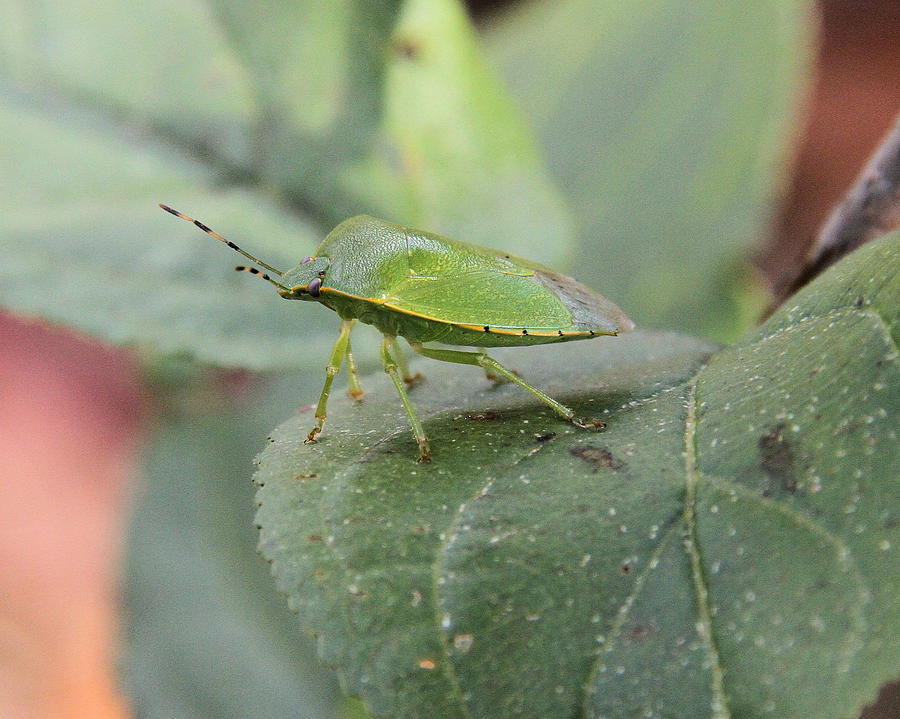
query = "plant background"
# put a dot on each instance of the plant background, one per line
(74, 413)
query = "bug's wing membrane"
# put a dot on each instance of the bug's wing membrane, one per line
(488, 298)
(588, 309)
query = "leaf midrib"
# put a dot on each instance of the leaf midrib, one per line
(719, 703)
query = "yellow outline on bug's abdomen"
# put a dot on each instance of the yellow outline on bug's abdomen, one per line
(515, 331)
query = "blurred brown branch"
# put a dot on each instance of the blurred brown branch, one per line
(870, 208)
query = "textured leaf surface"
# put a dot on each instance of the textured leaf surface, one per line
(665, 125)
(726, 542)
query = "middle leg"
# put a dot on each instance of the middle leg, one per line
(390, 366)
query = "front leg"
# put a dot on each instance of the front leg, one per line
(355, 390)
(333, 367)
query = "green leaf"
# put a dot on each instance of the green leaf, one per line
(453, 153)
(211, 108)
(317, 73)
(368, 547)
(666, 126)
(206, 634)
(729, 540)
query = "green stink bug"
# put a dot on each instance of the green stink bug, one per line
(427, 288)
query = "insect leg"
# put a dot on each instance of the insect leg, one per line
(390, 366)
(490, 374)
(334, 365)
(356, 390)
(404, 367)
(482, 359)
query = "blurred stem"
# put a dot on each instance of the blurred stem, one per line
(871, 208)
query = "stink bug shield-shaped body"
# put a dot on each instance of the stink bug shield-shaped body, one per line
(427, 288)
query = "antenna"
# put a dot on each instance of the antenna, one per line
(254, 271)
(217, 236)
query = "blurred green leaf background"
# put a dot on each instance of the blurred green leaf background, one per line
(638, 146)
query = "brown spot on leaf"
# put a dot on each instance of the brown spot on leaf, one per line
(482, 416)
(408, 48)
(598, 457)
(777, 458)
(639, 632)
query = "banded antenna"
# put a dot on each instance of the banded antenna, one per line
(215, 235)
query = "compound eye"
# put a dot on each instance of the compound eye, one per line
(313, 287)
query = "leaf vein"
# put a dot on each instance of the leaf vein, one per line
(691, 544)
(844, 558)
